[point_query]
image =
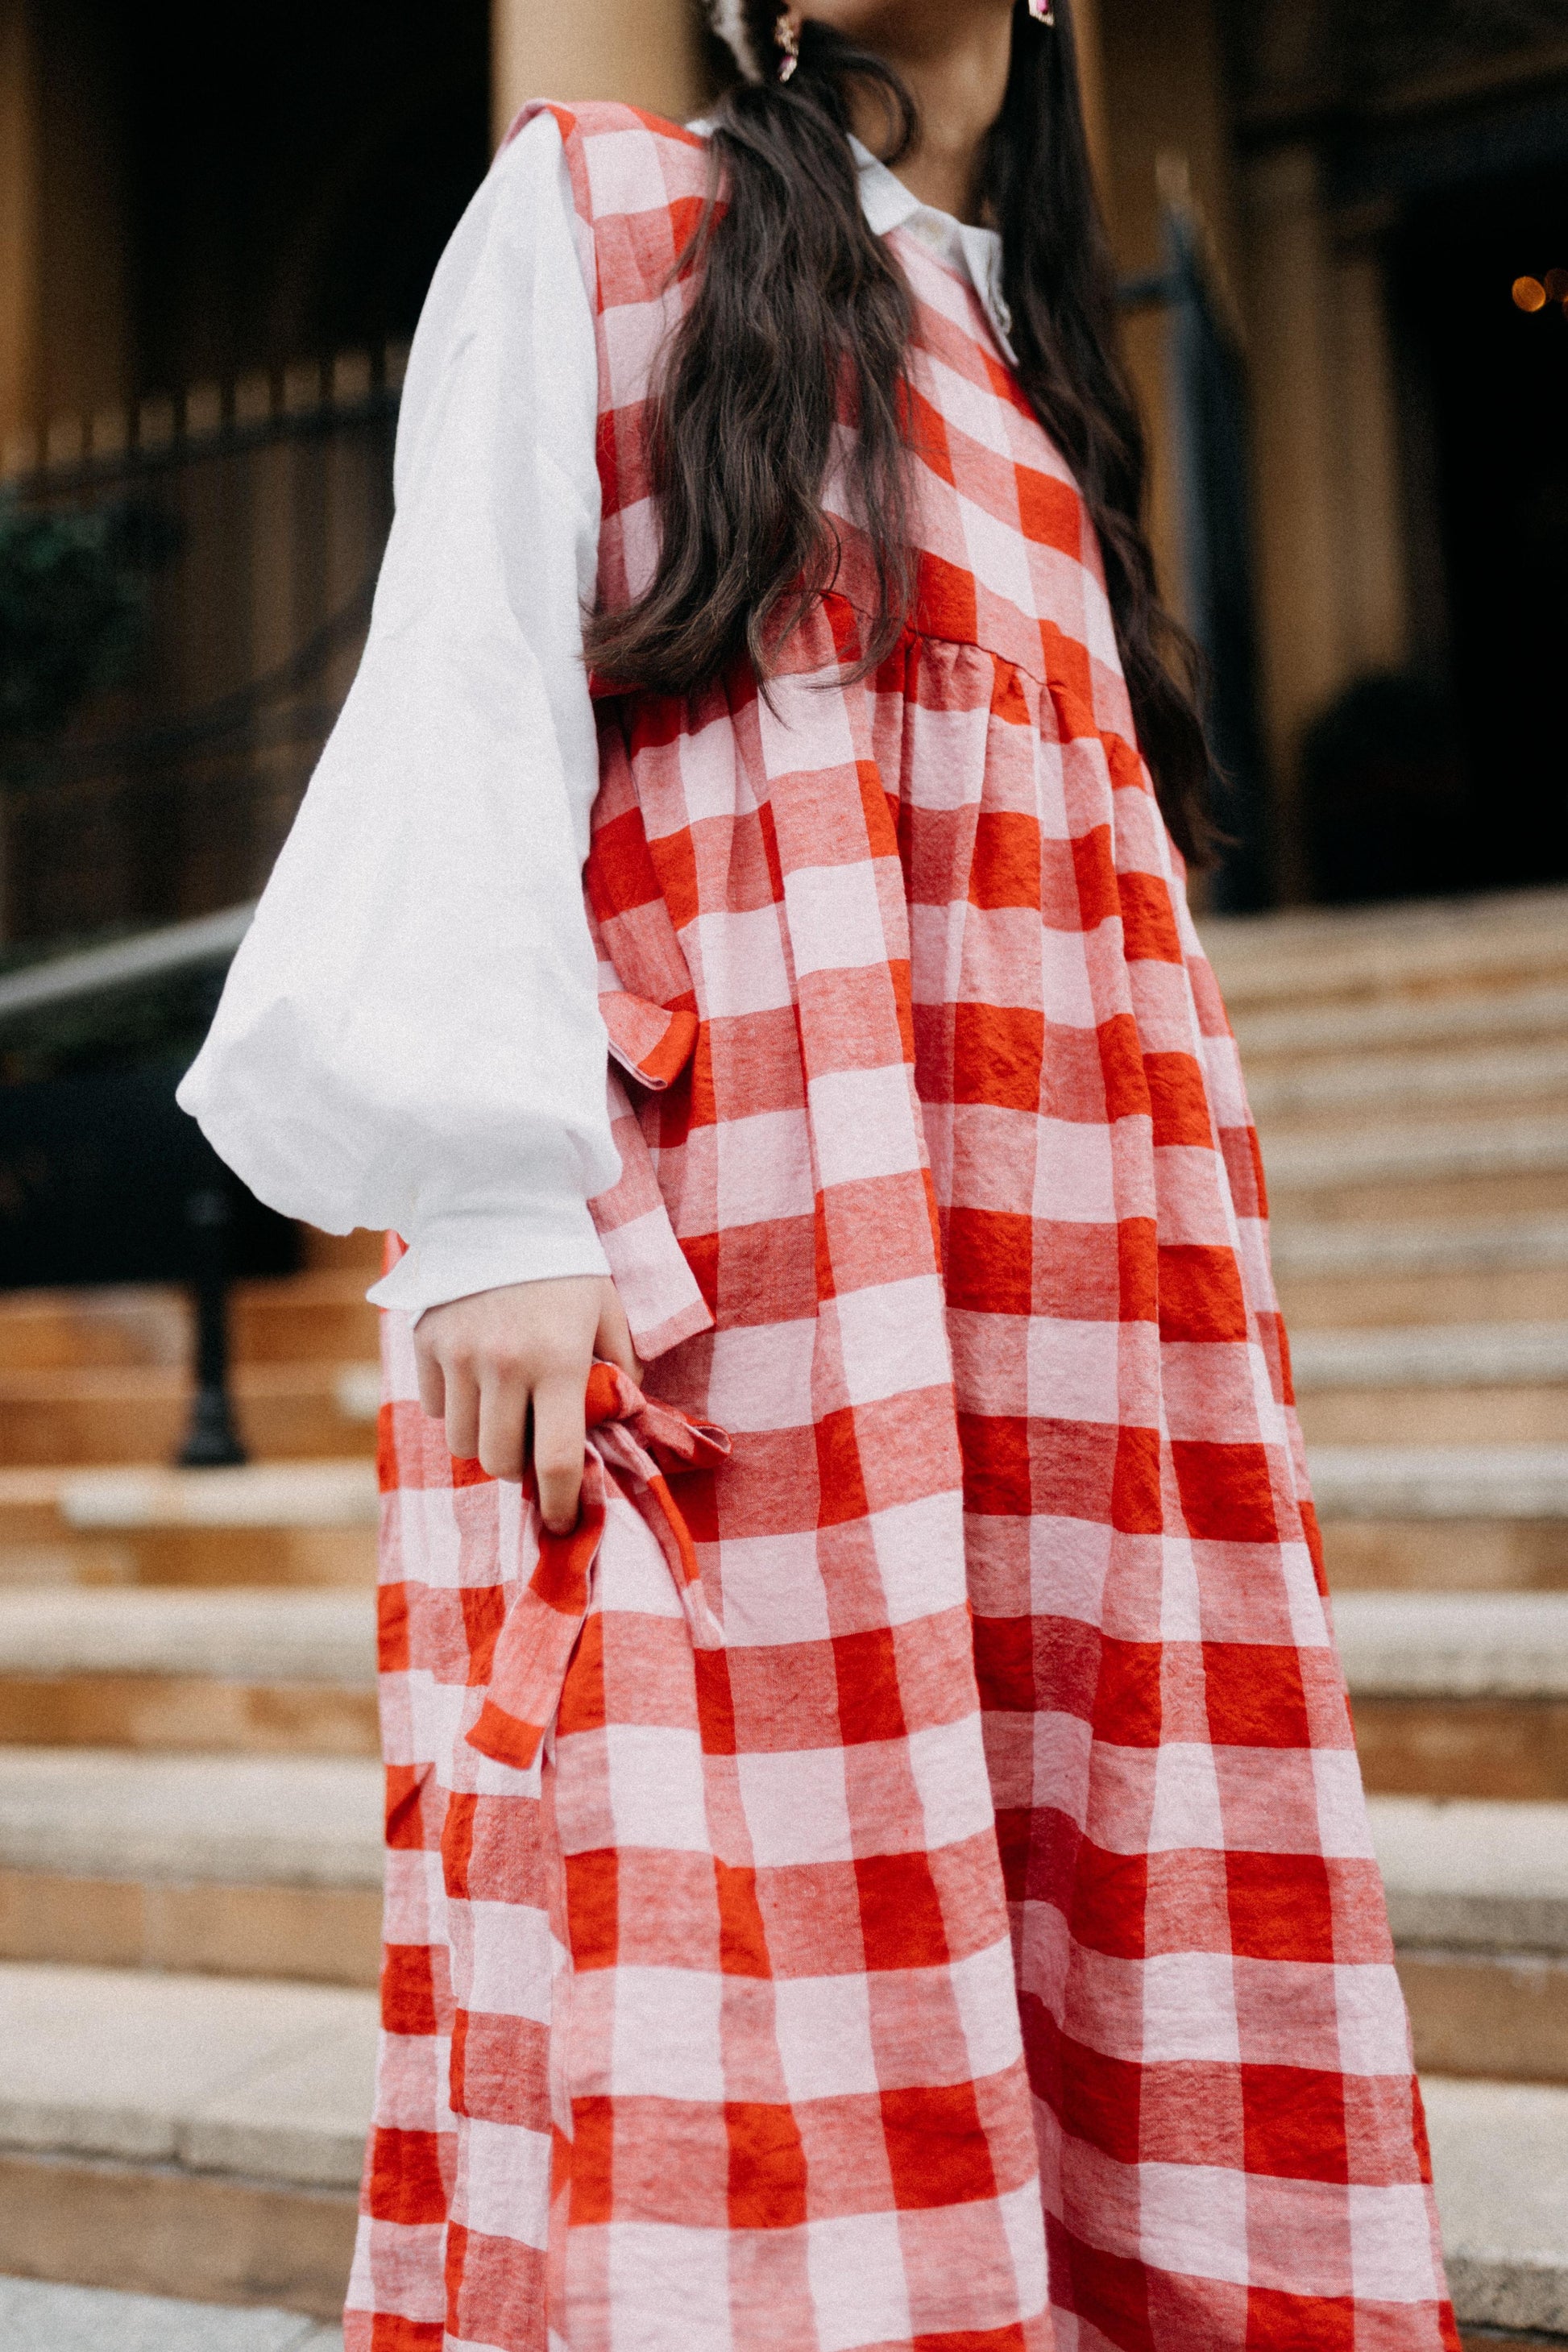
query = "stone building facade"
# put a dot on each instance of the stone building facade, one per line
(187, 202)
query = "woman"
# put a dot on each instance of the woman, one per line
(877, 1858)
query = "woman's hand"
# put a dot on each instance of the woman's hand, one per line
(492, 1363)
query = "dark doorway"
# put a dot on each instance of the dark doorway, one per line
(294, 172)
(1493, 383)
(283, 183)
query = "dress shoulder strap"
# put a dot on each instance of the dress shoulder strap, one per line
(639, 184)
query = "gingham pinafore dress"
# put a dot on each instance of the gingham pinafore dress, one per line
(908, 1847)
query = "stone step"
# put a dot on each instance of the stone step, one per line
(1388, 1172)
(1278, 1039)
(1478, 1900)
(1507, 2339)
(1471, 1384)
(233, 1865)
(54, 1330)
(1527, 1415)
(295, 1318)
(182, 2135)
(137, 1414)
(305, 1318)
(1441, 1481)
(1503, 1384)
(36, 2317)
(262, 1672)
(1387, 1150)
(1479, 1676)
(1517, 1245)
(1499, 2156)
(1469, 1875)
(1467, 1295)
(227, 1866)
(1458, 1694)
(360, 1252)
(1443, 1518)
(1458, 1645)
(1433, 1356)
(1355, 956)
(1496, 1076)
(1418, 1555)
(267, 1523)
(1341, 1276)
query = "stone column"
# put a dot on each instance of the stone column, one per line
(19, 387)
(645, 52)
(1165, 117)
(1375, 596)
(62, 259)
(1290, 290)
(84, 250)
(1092, 77)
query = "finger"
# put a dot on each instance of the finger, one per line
(558, 1435)
(432, 1386)
(503, 1416)
(613, 1340)
(462, 1413)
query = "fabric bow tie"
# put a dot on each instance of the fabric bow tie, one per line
(631, 1443)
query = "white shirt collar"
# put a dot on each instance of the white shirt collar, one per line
(974, 253)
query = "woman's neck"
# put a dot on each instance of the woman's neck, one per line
(956, 63)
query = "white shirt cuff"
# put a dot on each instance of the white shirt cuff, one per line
(455, 1256)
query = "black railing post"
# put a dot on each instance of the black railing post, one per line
(211, 1441)
(1206, 418)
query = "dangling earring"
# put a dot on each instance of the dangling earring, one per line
(1043, 11)
(787, 39)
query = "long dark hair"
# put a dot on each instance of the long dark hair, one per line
(801, 317)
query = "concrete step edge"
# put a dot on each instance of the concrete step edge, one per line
(1403, 1644)
(293, 1820)
(1500, 2151)
(39, 2316)
(1499, 2155)
(1461, 1874)
(1388, 1153)
(1353, 1080)
(1381, 963)
(1381, 971)
(246, 1633)
(274, 2081)
(1303, 1250)
(1379, 1483)
(1458, 1645)
(1474, 1874)
(352, 1391)
(1431, 1355)
(149, 1498)
(158, 2230)
(1309, 1032)
(1356, 952)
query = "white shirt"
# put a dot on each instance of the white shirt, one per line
(410, 1034)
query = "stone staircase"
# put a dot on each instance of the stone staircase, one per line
(189, 1796)
(190, 1822)
(1409, 1072)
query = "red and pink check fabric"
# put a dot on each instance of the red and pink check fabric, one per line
(903, 1883)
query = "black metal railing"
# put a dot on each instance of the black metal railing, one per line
(104, 1180)
(225, 550)
(1207, 437)
(184, 597)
